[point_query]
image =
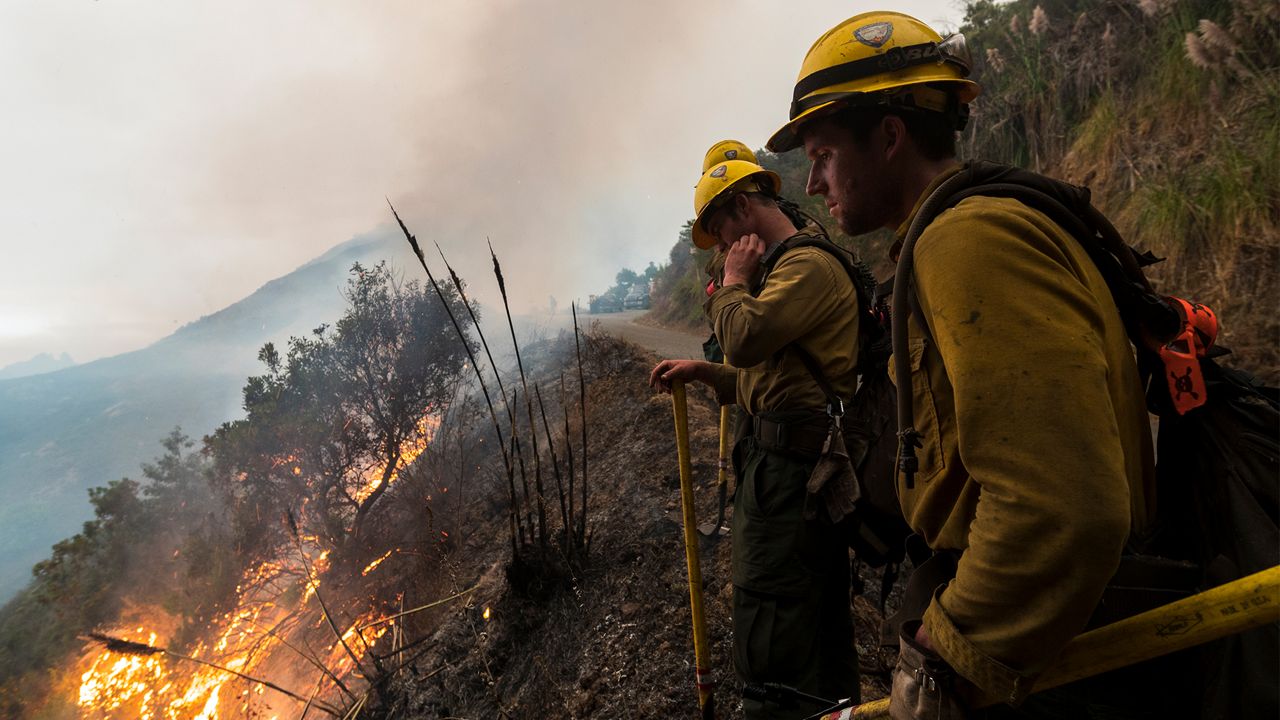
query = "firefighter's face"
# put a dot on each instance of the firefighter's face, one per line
(849, 175)
(730, 222)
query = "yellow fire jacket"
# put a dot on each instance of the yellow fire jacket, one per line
(808, 300)
(1037, 459)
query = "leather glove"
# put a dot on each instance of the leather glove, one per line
(832, 482)
(923, 683)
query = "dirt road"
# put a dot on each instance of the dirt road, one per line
(665, 342)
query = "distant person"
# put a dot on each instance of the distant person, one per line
(783, 301)
(1035, 461)
(718, 153)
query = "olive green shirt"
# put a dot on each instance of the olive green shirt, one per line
(1037, 459)
(808, 299)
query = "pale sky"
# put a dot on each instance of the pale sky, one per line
(161, 160)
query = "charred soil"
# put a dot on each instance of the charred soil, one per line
(608, 636)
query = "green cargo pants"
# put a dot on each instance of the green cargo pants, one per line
(791, 610)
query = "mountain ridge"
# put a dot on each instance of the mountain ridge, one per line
(64, 431)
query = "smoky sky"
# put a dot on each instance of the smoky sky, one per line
(159, 161)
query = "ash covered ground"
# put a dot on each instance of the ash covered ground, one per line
(611, 637)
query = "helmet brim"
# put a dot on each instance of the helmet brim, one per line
(705, 240)
(788, 136)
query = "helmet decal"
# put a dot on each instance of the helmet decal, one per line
(730, 154)
(874, 35)
(720, 171)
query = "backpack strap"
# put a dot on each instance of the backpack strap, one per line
(865, 290)
(1147, 316)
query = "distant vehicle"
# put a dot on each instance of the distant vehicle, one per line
(637, 298)
(605, 304)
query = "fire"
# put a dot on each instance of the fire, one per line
(163, 687)
(259, 637)
(426, 431)
(370, 567)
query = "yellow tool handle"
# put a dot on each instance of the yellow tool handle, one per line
(1237, 606)
(703, 679)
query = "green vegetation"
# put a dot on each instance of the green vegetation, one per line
(155, 540)
(328, 426)
(623, 282)
(681, 284)
(1169, 111)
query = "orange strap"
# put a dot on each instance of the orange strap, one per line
(1181, 356)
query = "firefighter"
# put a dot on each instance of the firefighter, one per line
(781, 298)
(718, 153)
(1035, 465)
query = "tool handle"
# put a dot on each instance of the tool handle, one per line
(723, 477)
(702, 667)
(1237, 606)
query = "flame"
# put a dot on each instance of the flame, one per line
(426, 431)
(486, 613)
(368, 569)
(158, 687)
(249, 638)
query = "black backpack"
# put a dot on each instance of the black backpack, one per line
(1218, 466)
(876, 531)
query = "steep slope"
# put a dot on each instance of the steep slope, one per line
(66, 431)
(1168, 111)
(614, 639)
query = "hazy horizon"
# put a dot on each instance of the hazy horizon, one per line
(163, 161)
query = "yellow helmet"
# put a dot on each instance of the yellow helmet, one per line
(878, 58)
(727, 150)
(721, 183)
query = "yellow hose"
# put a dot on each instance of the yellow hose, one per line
(700, 650)
(1237, 606)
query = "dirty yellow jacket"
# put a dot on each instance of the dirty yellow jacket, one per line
(808, 299)
(1037, 459)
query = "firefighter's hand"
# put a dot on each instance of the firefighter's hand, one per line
(742, 263)
(924, 686)
(668, 371)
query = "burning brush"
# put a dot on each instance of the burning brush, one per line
(129, 647)
(124, 647)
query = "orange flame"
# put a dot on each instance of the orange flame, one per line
(426, 431)
(370, 567)
(247, 639)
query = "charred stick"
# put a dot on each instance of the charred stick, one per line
(462, 336)
(568, 451)
(307, 708)
(315, 587)
(524, 477)
(582, 402)
(528, 401)
(309, 658)
(502, 389)
(129, 647)
(555, 463)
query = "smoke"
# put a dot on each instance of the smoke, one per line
(543, 126)
(555, 141)
(171, 158)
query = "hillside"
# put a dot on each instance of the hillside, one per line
(42, 363)
(1168, 111)
(66, 431)
(613, 640)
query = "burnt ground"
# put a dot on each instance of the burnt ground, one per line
(611, 637)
